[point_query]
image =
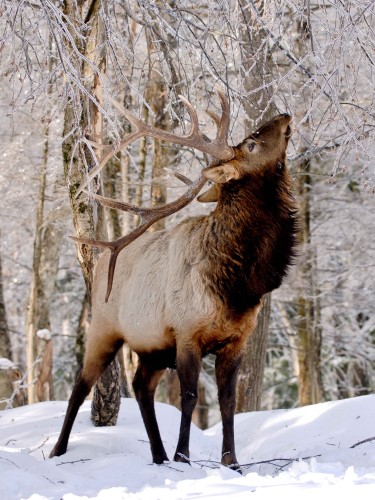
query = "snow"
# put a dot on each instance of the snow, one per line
(44, 334)
(6, 364)
(115, 462)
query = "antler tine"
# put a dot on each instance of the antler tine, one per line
(214, 117)
(148, 215)
(194, 131)
(223, 127)
(180, 177)
(121, 205)
(222, 122)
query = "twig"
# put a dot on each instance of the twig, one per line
(287, 460)
(30, 450)
(7, 460)
(48, 479)
(363, 442)
(170, 467)
(74, 461)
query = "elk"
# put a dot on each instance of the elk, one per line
(176, 295)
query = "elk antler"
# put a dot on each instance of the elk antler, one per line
(218, 148)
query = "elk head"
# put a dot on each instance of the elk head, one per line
(263, 150)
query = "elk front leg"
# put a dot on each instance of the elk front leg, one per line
(145, 382)
(228, 362)
(188, 368)
(97, 358)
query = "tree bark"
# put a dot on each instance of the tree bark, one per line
(34, 352)
(5, 345)
(250, 378)
(84, 117)
(257, 71)
(6, 387)
(309, 330)
(47, 244)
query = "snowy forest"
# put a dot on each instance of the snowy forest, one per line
(69, 68)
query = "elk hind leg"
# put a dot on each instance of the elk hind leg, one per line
(188, 368)
(98, 356)
(145, 381)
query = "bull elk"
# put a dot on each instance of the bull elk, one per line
(176, 295)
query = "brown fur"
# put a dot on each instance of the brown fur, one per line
(196, 289)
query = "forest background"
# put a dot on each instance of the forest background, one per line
(65, 64)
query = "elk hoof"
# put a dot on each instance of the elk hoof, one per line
(160, 459)
(180, 457)
(236, 467)
(57, 451)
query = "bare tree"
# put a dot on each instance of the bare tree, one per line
(84, 118)
(309, 330)
(38, 347)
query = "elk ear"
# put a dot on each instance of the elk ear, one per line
(212, 194)
(221, 173)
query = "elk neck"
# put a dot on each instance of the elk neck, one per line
(250, 238)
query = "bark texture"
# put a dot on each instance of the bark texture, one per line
(107, 397)
(84, 117)
(309, 331)
(6, 387)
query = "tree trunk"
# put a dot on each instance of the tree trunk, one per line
(34, 352)
(250, 378)
(47, 245)
(115, 231)
(5, 346)
(309, 331)
(83, 117)
(107, 396)
(257, 104)
(6, 387)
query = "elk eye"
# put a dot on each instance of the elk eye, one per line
(251, 146)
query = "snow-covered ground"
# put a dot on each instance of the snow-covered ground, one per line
(306, 451)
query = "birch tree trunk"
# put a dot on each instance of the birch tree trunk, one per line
(83, 117)
(257, 73)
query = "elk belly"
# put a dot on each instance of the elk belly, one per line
(142, 321)
(141, 312)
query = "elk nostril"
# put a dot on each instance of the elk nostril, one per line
(286, 115)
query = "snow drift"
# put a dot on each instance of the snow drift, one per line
(329, 447)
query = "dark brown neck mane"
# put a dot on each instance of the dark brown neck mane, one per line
(252, 238)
